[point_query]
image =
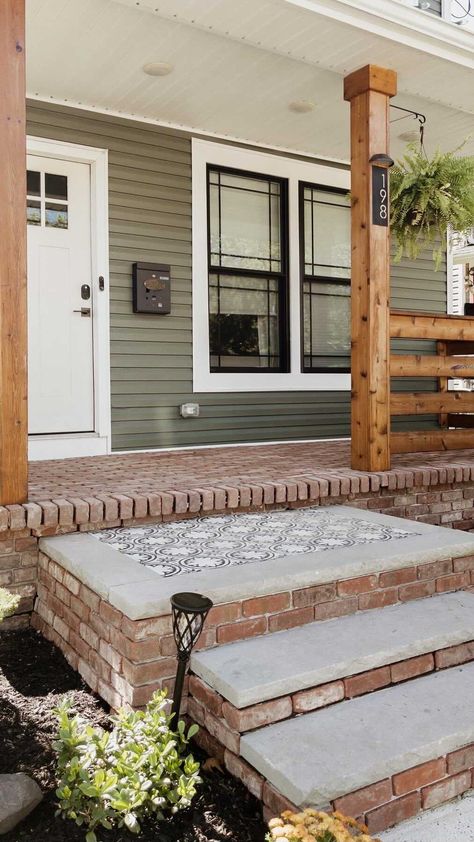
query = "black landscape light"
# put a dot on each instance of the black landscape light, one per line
(189, 612)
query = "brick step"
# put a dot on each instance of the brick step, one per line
(403, 560)
(381, 757)
(110, 614)
(317, 654)
(247, 685)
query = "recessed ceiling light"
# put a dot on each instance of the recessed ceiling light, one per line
(157, 68)
(410, 137)
(302, 106)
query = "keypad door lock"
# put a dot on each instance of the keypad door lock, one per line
(85, 292)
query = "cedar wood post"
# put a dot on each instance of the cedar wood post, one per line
(13, 324)
(369, 90)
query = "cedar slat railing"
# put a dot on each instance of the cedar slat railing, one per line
(454, 336)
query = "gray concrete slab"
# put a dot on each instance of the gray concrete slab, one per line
(98, 566)
(259, 669)
(452, 822)
(139, 592)
(320, 756)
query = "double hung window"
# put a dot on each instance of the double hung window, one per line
(325, 226)
(248, 271)
(271, 271)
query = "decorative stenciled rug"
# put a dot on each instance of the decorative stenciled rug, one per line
(210, 542)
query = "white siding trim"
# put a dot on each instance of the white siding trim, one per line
(204, 152)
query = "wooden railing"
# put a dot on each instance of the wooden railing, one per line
(454, 336)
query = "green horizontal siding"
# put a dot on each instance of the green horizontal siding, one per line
(151, 358)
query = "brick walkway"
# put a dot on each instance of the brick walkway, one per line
(230, 467)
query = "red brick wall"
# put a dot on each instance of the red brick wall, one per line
(442, 496)
(18, 572)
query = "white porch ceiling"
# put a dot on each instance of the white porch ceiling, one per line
(237, 66)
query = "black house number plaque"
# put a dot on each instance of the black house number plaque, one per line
(380, 197)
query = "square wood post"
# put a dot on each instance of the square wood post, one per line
(369, 90)
(13, 314)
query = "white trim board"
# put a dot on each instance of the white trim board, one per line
(278, 443)
(98, 442)
(204, 152)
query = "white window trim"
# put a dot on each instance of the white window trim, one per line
(61, 446)
(203, 153)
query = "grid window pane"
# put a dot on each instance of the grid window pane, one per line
(326, 325)
(244, 219)
(326, 260)
(33, 212)
(55, 186)
(327, 237)
(33, 183)
(47, 203)
(56, 215)
(244, 322)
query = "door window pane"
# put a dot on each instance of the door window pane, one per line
(47, 199)
(55, 186)
(244, 221)
(33, 183)
(56, 215)
(244, 322)
(33, 212)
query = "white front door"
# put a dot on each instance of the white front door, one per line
(60, 336)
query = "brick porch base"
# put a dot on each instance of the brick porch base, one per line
(107, 491)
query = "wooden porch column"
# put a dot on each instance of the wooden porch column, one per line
(13, 325)
(369, 90)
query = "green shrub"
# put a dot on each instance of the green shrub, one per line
(119, 778)
(9, 602)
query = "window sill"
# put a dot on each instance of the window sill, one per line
(270, 382)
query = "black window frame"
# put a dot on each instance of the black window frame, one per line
(281, 277)
(304, 278)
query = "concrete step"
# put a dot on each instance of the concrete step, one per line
(358, 554)
(352, 755)
(256, 670)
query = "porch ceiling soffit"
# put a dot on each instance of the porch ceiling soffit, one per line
(91, 54)
(339, 35)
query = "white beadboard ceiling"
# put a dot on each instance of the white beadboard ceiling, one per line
(237, 66)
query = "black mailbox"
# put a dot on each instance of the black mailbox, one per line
(151, 288)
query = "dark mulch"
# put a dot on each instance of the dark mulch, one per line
(34, 676)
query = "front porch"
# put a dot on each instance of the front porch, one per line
(381, 603)
(109, 490)
(90, 494)
(272, 327)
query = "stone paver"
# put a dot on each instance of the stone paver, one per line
(253, 671)
(318, 757)
(452, 822)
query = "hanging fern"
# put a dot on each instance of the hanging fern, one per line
(429, 195)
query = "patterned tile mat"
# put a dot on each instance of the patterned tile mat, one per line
(192, 545)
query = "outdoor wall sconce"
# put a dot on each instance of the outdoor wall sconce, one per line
(382, 160)
(189, 612)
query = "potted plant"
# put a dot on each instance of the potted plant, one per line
(430, 196)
